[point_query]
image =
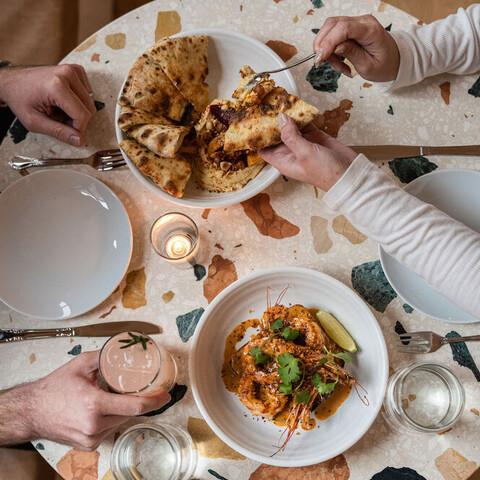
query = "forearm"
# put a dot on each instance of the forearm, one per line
(430, 243)
(450, 45)
(16, 423)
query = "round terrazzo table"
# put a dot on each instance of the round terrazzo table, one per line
(438, 111)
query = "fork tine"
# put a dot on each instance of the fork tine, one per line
(112, 161)
(106, 168)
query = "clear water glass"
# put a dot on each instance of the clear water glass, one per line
(154, 452)
(175, 237)
(426, 397)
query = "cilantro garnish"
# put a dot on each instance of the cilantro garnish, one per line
(289, 370)
(286, 388)
(322, 387)
(276, 325)
(289, 334)
(258, 355)
(302, 397)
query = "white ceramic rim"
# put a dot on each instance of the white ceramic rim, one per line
(228, 198)
(382, 255)
(127, 263)
(192, 367)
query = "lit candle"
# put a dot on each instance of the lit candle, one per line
(178, 246)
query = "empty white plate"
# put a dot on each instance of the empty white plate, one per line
(65, 244)
(457, 193)
(227, 52)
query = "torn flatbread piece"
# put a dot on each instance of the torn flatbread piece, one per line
(164, 140)
(184, 61)
(148, 88)
(170, 174)
(130, 117)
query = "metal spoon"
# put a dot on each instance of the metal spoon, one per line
(259, 76)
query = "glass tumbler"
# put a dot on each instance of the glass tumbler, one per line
(424, 398)
(175, 237)
(132, 363)
(154, 452)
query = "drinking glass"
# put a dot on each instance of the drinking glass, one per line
(132, 363)
(424, 398)
(175, 238)
(154, 452)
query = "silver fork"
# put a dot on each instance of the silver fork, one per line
(103, 161)
(259, 76)
(426, 342)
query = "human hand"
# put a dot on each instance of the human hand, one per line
(364, 42)
(53, 100)
(310, 156)
(68, 406)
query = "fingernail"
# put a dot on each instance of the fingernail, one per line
(340, 50)
(318, 57)
(282, 120)
(75, 140)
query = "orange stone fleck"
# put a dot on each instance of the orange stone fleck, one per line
(445, 92)
(221, 273)
(367, 85)
(87, 43)
(116, 41)
(133, 295)
(205, 213)
(454, 466)
(95, 57)
(79, 465)
(268, 223)
(168, 23)
(284, 50)
(332, 120)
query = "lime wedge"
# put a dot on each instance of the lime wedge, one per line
(336, 331)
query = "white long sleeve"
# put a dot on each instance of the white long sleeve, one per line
(450, 45)
(441, 250)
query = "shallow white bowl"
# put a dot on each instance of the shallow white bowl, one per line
(227, 52)
(65, 244)
(457, 193)
(231, 420)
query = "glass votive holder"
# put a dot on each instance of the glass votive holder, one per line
(175, 238)
(424, 398)
(154, 452)
(132, 363)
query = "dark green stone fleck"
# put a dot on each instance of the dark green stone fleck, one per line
(239, 245)
(18, 132)
(407, 308)
(76, 350)
(462, 355)
(99, 105)
(285, 178)
(392, 473)
(475, 89)
(39, 446)
(399, 328)
(372, 285)
(187, 323)
(408, 169)
(317, 3)
(388, 28)
(215, 474)
(176, 394)
(199, 271)
(315, 30)
(323, 78)
(390, 110)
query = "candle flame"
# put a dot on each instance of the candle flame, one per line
(178, 246)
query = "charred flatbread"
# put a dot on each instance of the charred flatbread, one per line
(148, 88)
(184, 61)
(164, 140)
(170, 174)
(130, 117)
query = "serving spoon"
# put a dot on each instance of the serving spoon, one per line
(260, 76)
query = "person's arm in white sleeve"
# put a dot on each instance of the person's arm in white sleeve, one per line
(399, 58)
(430, 243)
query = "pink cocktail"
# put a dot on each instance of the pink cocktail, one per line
(131, 362)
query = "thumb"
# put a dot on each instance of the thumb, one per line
(291, 136)
(48, 126)
(353, 52)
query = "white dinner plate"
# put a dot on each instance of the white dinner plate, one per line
(65, 244)
(457, 193)
(231, 420)
(227, 52)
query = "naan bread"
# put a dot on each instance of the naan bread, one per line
(164, 140)
(148, 88)
(256, 126)
(171, 174)
(130, 117)
(184, 61)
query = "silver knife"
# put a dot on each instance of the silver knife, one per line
(387, 152)
(99, 330)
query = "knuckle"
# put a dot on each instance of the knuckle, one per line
(331, 22)
(66, 69)
(90, 443)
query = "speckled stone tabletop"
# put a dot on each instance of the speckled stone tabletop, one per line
(286, 225)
